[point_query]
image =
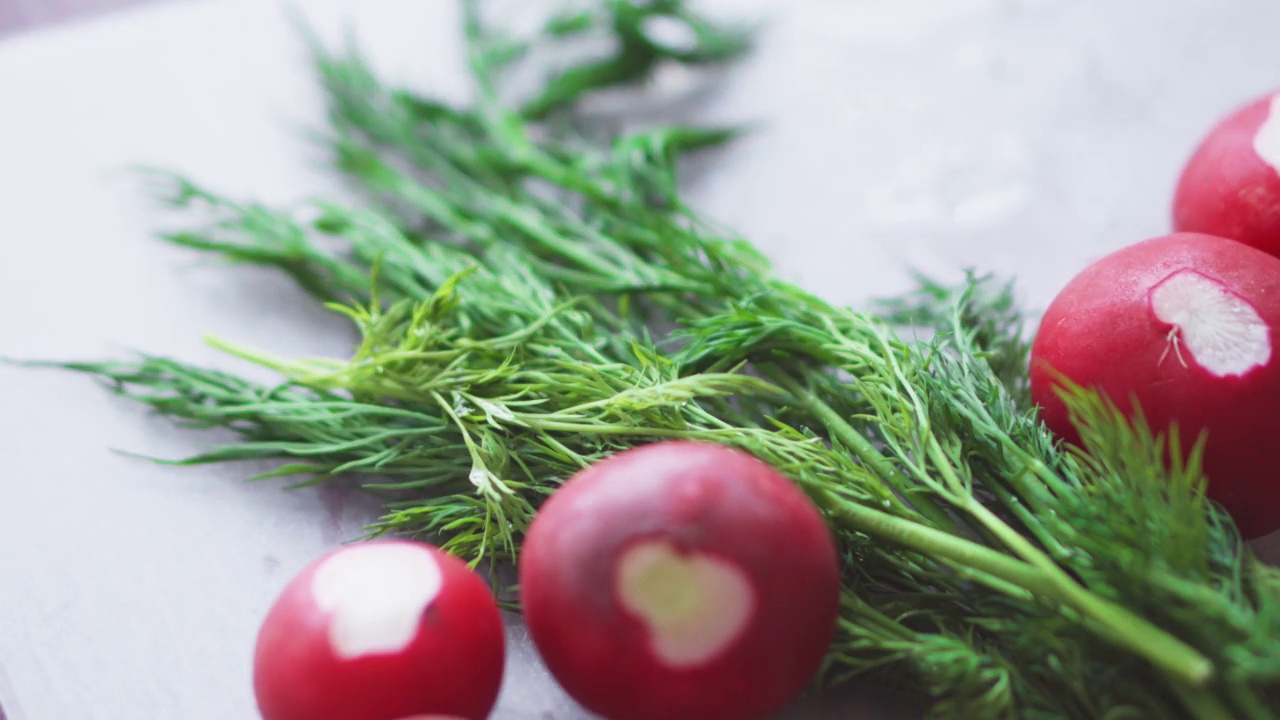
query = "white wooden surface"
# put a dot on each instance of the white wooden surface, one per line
(1020, 136)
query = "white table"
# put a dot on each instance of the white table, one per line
(1019, 136)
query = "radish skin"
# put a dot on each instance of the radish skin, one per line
(680, 580)
(381, 630)
(1230, 186)
(1186, 325)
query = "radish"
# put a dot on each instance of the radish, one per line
(1186, 325)
(381, 630)
(680, 580)
(1230, 186)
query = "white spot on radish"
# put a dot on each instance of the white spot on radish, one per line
(1266, 143)
(695, 606)
(1219, 329)
(375, 594)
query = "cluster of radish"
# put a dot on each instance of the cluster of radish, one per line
(1185, 325)
(673, 581)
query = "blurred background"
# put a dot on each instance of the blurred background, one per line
(19, 15)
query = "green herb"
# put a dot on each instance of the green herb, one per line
(532, 294)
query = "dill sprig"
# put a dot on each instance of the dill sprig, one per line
(532, 294)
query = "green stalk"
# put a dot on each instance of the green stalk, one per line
(872, 615)
(864, 450)
(1248, 702)
(936, 543)
(591, 428)
(1127, 629)
(1202, 703)
(1026, 512)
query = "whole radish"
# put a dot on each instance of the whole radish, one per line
(1186, 325)
(680, 580)
(1230, 186)
(381, 630)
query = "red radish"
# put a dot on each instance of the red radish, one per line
(680, 580)
(1187, 325)
(383, 630)
(1230, 186)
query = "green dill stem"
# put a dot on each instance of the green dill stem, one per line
(869, 614)
(1126, 628)
(590, 428)
(1027, 516)
(872, 458)
(936, 543)
(1037, 497)
(1042, 471)
(1246, 700)
(531, 224)
(257, 357)
(1004, 587)
(1202, 703)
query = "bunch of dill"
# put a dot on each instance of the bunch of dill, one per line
(533, 294)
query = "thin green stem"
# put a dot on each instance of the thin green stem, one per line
(871, 615)
(865, 451)
(1125, 628)
(932, 542)
(1025, 514)
(603, 429)
(1247, 701)
(1202, 703)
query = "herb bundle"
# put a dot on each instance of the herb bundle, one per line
(532, 294)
